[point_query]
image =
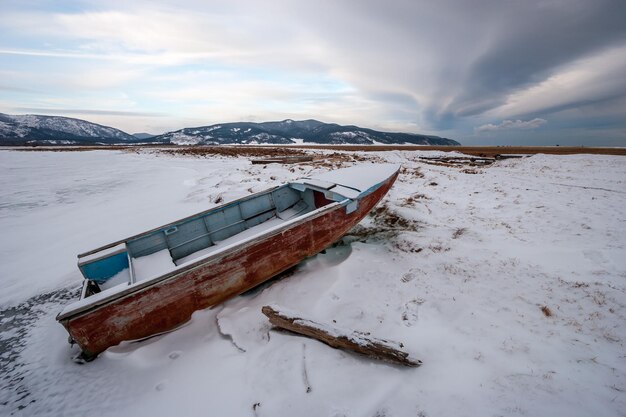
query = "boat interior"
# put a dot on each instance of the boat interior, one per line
(163, 249)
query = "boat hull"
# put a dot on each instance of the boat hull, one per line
(170, 302)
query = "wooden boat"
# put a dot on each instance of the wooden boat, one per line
(153, 282)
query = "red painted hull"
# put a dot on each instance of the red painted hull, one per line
(168, 303)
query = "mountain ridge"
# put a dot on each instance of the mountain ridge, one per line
(294, 132)
(59, 130)
(43, 129)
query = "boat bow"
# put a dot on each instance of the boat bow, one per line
(352, 183)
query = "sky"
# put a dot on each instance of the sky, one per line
(483, 72)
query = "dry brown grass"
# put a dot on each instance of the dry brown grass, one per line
(459, 232)
(386, 217)
(470, 171)
(412, 199)
(412, 172)
(234, 151)
(387, 225)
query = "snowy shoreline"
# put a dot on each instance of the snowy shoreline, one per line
(458, 266)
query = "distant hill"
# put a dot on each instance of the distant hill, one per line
(291, 131)
(143, 135)
(37, 129)
(56, 130)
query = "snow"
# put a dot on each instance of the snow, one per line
(351, 135)
(153, 265)
(122, 277)
(460, 280)
(180, 138)
(261, 138)
(6, 130)
(361, 177)
(346, 192)
(326, 185)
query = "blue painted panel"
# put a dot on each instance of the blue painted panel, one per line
(186, 232)
(257, 205)
(285, 197)
(190, 247)
(259, 219)
(147, 245)
(228, 232)
(222, 218)
(103, 269)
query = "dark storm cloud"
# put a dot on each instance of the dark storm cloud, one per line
(536, 38)
(512, 125)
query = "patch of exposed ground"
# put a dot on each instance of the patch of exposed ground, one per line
(385, 225)
(15, 324)
(337, 160)
(233, 151)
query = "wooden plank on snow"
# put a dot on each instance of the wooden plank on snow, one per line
(355, 341)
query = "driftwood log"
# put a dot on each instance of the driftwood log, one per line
(283, 160)
(355, 341)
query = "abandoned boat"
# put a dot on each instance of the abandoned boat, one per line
(152, 282)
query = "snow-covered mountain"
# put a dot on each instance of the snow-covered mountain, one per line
(57, 130)
(37, 129)
(291, 131)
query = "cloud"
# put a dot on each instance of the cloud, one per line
(87, 112)
(591, 80)
(512, 125)
(530, 42)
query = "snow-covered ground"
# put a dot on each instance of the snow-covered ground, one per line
(508, 282)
